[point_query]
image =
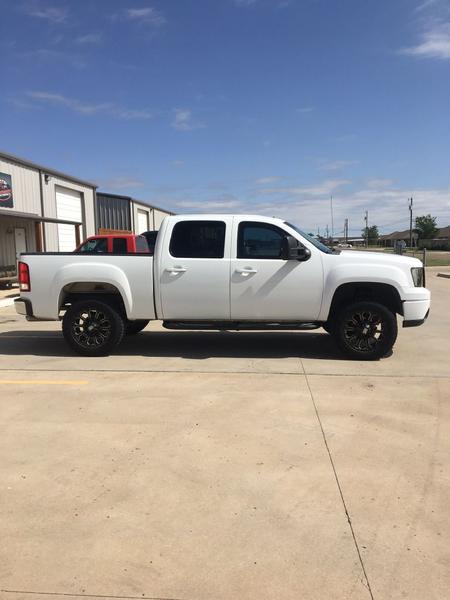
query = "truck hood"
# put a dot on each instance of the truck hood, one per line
(379, 258)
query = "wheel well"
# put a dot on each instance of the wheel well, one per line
(375, 292)
(104, 292)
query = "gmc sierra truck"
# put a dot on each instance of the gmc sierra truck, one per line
(237, 272)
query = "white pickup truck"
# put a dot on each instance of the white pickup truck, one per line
(227, 272)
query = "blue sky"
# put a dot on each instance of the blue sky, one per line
(266, 106)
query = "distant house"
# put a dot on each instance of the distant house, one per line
(441, 239)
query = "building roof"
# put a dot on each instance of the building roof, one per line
(443, 232)
(396, 235)
(29, 163)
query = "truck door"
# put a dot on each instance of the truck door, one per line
(266, 287)
(195, 269)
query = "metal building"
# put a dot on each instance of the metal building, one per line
(41, 209)
(123, 213)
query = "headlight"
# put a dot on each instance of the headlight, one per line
(418, 275)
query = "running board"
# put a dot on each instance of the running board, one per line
(240, 325)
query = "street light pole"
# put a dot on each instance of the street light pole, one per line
(366, 219)
(410, 221)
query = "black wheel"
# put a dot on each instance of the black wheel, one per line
(92, 328)
(365, 330)
(132, 327)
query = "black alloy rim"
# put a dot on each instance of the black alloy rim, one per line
(91, 328)
(364, 331)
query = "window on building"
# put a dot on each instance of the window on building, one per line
(198, 239)
(259, 240)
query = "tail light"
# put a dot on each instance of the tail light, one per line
(24, 277)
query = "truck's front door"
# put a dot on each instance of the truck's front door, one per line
(195, 269)
(265, 287)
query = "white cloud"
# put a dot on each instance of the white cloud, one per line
(106, 108)
(379, 183)
(214, 205)
(177, 163)
(183, 120)
(53, 14)
(90, 38)
(337, 165)
(388, 208)
(435, 43)
(267, 180)
(304, 109)
(147, 14)
(325, 188)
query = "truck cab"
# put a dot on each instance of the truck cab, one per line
(120, 243)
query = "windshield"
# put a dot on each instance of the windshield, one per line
(313, 241)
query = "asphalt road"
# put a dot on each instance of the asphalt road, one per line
(203, 465)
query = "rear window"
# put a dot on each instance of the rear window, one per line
(198, 239)
(141, 244)
(95, 246)
(119, 246)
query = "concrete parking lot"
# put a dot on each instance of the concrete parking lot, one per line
(204, 465)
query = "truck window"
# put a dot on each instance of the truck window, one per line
(141, 244)
(259, 240)
(198, 239)
(95, 246)
(119, 246)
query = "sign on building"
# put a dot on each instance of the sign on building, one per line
(6, 193)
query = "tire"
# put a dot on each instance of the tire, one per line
(132, 327)
(365, 330)
(108, 328)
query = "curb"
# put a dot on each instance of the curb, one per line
(446, 275)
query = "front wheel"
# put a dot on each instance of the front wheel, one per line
(365, 330)
(92, 328)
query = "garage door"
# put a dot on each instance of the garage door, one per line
(68, 207)
(142, 221)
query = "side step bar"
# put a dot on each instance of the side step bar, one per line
(241, 325)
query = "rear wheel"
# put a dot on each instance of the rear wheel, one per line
(92, 328)
(365, 330)
(132, 327)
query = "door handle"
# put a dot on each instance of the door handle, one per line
(175, 270)
(246, 271)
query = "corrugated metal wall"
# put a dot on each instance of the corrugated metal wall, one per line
(113, 213)
(25, 186)
(7, 243)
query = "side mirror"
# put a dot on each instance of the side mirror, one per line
(291, 249)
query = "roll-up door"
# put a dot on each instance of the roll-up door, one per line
(142, 221)
(68, 207)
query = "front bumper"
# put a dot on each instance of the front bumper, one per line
(415, 312)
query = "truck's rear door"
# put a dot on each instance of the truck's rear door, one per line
(194, 268)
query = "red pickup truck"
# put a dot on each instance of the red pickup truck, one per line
(119, 243)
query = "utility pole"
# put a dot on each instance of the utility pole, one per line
(332, 217)
(346, 231)
(366, 219)
(327, 232)
(410, 221)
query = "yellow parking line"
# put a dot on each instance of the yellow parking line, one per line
(40, 382)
